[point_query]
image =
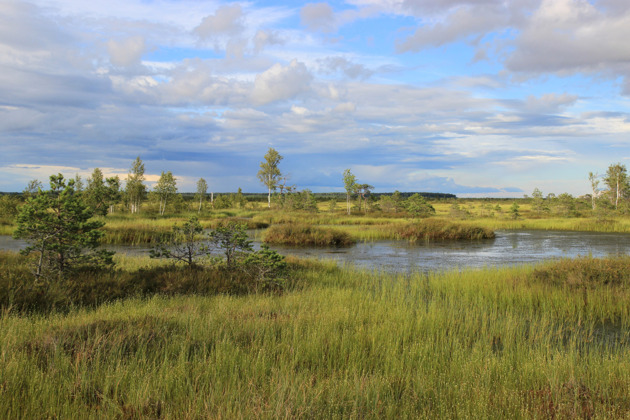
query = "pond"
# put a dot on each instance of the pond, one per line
(508, 248)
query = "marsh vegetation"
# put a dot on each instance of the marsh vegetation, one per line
(249, 333)
(524, 342)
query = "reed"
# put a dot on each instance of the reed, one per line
(433, 229)
(224, 222)
(305, 235)
(613, 225)
(437, 229)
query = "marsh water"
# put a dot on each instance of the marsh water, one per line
(508, 248)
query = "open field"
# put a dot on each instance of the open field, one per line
(526, 342)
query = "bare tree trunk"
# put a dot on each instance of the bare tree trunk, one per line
(617, 198)
(40, 263)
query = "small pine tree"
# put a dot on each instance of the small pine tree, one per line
(184, 245)
(57, 226)
(514, 214)
(419, 207)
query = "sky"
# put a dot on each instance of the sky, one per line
(488, 98)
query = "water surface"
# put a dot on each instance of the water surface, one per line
(508, 248)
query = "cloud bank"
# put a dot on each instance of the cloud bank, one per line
(473, 97)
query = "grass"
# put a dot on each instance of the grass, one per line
(617, 225)
(424, 230)
(492, 343)
(306, 235)
(135, 230)
(132, 277)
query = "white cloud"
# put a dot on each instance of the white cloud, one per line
(264, 39)
(345, 107)
(318, 17)
(281, 82)
(126, 52)
(459, 23)
(227, 20)
(345, 66)
(549, 102)
(568, 36)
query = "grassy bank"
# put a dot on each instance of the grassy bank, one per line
(524, 342)
(616, 225)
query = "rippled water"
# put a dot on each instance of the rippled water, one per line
(508, 248)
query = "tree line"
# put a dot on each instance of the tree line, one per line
(610, 193)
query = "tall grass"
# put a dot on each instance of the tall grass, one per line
(132, 277)
(617, 225)
(304, 235)
(423, 230)
(493, 343)
(436, 229)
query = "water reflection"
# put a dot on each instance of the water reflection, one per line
(509, 247)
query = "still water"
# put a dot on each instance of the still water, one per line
(508, 248)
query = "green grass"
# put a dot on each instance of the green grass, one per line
(493, 343)
(616, 225)
(305, 235)
(421, 230)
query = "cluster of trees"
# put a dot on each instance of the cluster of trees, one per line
(61, 231)
(287, 197)
(617, 193)
(105, 195)
(613, 197)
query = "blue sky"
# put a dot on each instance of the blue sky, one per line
(473, 97)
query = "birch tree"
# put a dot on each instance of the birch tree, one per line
(135, 188)
(202, 190)
(350, 183)
(617, 182)
(165, 188)
(594, 180)
(269, 173)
